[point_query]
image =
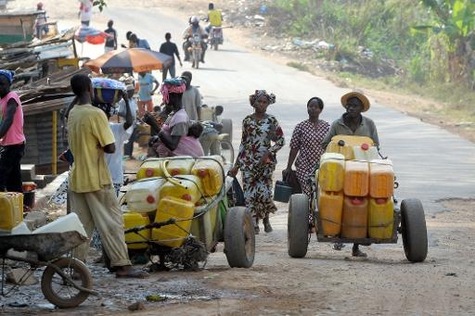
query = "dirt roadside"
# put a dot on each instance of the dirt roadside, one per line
(325, 282)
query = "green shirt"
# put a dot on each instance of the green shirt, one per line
(366, 128)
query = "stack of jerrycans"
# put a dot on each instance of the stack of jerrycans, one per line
(11, 211)
(331, 175)
(381, 203)
(177, 200)
(142, 198)
(355, 204)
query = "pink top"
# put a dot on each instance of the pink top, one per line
(14, 135)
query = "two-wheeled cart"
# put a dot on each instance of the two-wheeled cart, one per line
(353, 201)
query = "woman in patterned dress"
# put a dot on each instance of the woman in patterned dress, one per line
(306, 141)
(262, 137)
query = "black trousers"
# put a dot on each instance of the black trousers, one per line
(10, 167)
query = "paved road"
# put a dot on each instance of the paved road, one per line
(431, 163)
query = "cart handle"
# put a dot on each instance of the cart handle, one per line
(151, 225)
(167, 175)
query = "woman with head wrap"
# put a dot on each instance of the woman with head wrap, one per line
(12, 139)
(173, 136)
(262, 137)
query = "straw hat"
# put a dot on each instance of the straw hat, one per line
(359, 96)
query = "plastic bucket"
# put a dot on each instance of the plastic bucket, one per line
(282, 192)
(29, 190)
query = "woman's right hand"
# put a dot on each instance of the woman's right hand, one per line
(233, 171)
(286, 173)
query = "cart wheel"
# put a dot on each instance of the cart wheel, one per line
(58, 290)
(239, 238)
(297, 226)
(227, 128)
(414, 230)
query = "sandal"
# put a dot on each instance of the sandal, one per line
(338, 246)
(267, 227)
(358, 253)
(256, 230)
(132, 273)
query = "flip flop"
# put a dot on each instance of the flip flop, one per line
(132, 274)
(359, 253)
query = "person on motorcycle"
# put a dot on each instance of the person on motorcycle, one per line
(215, 17)
(194, 28)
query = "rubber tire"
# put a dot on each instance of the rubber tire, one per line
(297, 225)
(47, 282)
(227, 128)
(239, 238)
(226, 146)
(196, 59)
(414, 230)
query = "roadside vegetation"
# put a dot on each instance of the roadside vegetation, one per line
(424, 47)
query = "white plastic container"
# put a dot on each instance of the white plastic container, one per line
(365, 152)
(63, 224)
(143, 195)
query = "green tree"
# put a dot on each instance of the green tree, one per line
(451, 38)
(101, 4)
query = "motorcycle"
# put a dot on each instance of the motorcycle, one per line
(216, 37)
(195, 50)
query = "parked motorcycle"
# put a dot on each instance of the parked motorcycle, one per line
(216, 37)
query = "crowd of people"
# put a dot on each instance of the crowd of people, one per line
(96, 174)
(99, 144)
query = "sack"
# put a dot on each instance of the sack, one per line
(291, 180)
(107, 91)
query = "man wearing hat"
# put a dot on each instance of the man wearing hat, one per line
(353, 123)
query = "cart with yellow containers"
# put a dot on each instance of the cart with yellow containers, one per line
(353, 201)
(178, 210)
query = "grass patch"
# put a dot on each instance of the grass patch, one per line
(299, 66)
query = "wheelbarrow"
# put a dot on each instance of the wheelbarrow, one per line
(66, 282)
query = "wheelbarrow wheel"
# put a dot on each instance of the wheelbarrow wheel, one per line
(60, 291)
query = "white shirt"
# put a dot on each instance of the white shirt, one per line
(86, 10)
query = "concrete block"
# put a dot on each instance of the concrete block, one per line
(21, 276)
(28, 172)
